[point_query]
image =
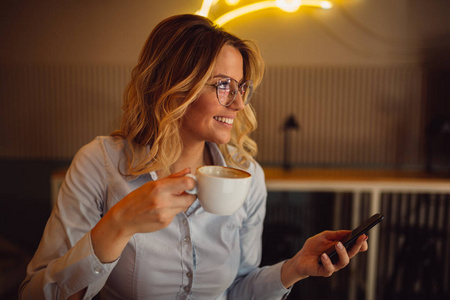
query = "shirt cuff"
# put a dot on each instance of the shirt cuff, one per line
(273, 287)
(80, 268)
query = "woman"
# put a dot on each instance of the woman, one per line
(123, 224)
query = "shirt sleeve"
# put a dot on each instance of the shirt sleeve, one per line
(253, 282)
(64, 262)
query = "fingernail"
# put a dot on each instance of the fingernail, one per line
(340, 246)
(324, 256)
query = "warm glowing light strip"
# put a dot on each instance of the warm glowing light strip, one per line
(204, 10)
(321, 4)
(231, 2)
(285, 5)
(243, 10)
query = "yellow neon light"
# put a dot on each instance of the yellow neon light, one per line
(321, 4)
(289, 6)
(231, 2)
(204, 10)
(241, 11)
(285, 5)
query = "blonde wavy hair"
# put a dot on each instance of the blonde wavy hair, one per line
(175, 63)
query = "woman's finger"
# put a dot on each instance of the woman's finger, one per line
(174, 184)
(180, 173)
(343, 256)
(327, 265)
(360, 246)
(337, 235)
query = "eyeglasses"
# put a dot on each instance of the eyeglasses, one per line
(227, 89)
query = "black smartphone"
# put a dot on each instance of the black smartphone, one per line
(351, 238)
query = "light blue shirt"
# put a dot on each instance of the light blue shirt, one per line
(198, 256)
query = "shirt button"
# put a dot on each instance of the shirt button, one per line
(189, 274)
(97, 270)
(187, 239)
(185, 222)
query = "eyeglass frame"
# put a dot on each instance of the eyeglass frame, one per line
(239, 89)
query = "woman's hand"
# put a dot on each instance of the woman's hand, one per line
(153, 206)
(149, 208)
(305, 262)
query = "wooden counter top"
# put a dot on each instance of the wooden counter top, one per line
(309, 174)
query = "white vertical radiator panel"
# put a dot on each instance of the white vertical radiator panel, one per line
(364, 116)
(51, 111)
(349, 116)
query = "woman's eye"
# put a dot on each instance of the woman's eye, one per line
(224, 85)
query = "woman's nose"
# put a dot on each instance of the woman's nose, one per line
(238, 103)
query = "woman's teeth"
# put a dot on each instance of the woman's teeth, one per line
(224, 120)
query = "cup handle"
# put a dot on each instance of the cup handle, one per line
(195, 189)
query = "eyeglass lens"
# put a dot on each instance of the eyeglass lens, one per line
(227, 90)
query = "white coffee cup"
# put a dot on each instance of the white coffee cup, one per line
(220, 190)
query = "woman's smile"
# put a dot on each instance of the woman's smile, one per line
(228, 121)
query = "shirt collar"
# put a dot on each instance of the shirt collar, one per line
(217, 157)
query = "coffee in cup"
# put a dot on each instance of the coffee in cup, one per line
(220, 190)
